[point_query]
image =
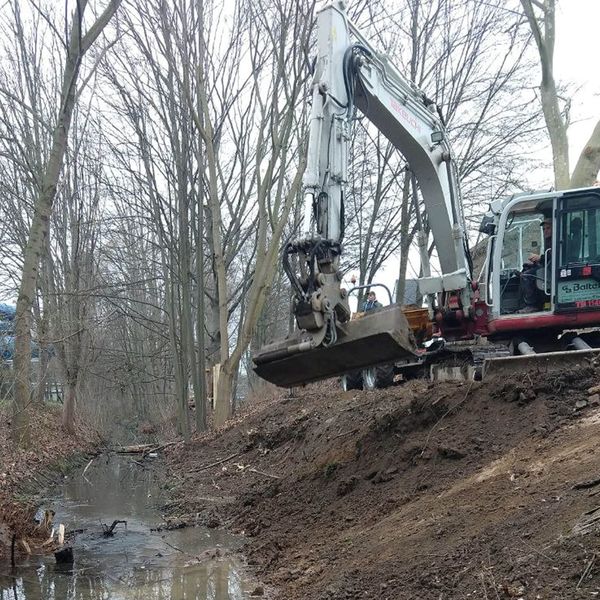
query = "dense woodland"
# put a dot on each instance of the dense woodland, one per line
(151, 156)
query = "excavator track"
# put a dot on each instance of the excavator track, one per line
(453, 361)
(472, 360)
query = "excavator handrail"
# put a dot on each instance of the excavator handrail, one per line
(370, 285)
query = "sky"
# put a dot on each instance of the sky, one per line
(575, 64)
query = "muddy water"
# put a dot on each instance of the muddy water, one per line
(135, 562)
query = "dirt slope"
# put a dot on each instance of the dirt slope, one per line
(480, 490)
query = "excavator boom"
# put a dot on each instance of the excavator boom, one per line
(350, 75)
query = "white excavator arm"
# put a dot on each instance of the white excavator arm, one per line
(349, 75)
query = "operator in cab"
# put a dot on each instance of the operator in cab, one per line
(371, 303)
(533, 270)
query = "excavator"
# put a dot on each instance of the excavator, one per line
(477, 319)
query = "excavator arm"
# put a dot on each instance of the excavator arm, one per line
(350, 75)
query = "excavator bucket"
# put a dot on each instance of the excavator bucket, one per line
(377, 337)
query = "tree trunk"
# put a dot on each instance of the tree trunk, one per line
(205, 128)
(181, 394)
(199, 231)
(33, 253)
(43, 366)
(556, 124)
(42, 211)
(223, 407)
(588, 165)
(257, 294)
(200, 337)
(68, 415)
(179, 369)
(557, 131)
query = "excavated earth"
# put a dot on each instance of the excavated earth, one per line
(422, 491)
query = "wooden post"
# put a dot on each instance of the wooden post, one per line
(215, 382)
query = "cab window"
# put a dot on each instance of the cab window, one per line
(581, 236)
(523, 237)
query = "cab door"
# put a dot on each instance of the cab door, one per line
(578, 265)
(519, 236)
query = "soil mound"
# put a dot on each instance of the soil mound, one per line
(433, 491)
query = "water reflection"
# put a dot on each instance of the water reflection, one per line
(215, 582)
(136, 563)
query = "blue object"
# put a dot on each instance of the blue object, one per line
(7, 312)
(7, 347)
(7, 334)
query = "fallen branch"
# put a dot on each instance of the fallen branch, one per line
(253, 470)
(216, 463)
(534, 549)
(584, 485)
(589, 520)
(163, 446)
(586, 571)
(145, 448)
(178, 549)
(87, 467)
(339, 435)
(109, 531)
(135, 449)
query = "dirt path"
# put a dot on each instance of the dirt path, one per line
(420, 491)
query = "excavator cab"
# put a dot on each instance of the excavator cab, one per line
(525, 251)
(561, 231)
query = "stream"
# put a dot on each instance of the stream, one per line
(135, 562)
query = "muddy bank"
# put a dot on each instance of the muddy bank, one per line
(478, 490)
(26, 474)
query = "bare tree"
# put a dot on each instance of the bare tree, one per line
(541, 15)
(45, 184)
(71, 264)
(277, 84)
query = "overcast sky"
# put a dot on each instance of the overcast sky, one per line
(577, 23)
